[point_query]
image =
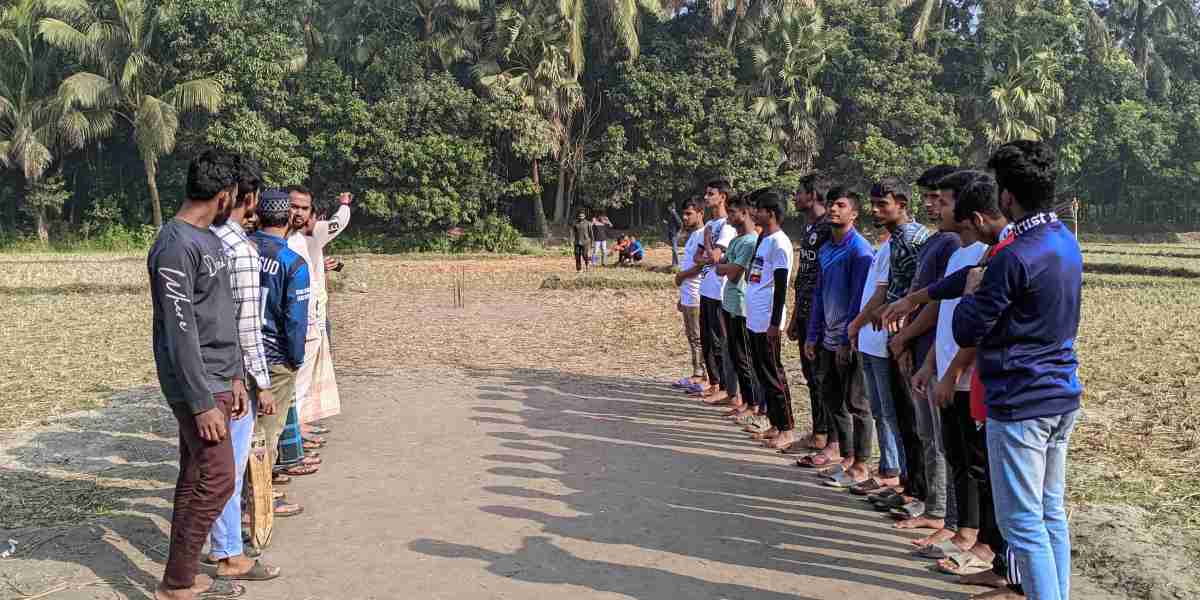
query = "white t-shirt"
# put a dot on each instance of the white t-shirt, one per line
(712, 286)
(871, 340)
(774, 252)
(945, 346)
(689, 291)
(312, 248)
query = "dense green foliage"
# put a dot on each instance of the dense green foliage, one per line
(448, 113)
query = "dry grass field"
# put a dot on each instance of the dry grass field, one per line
(76, 335)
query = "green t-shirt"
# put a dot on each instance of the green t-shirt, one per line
(741, 251)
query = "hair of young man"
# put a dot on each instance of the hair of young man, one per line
(722, 186)
(956, 181)
(694, 203)
(211, 173)
(738, 202)
(768, 199)
(930, 178)
(1029, 171)
(981, 196)
(299, 189)
(816, 183)
(891, 186)
(855, 199)
(249, 179)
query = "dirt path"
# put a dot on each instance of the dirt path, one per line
(506, 484)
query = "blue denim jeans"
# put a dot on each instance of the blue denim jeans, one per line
(1029, 481)
(226, 535)
(877, 382)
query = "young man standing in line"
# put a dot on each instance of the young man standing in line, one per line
(688, 281)
(810, 202)
(845, 262)
(889, 198)
(1024, 319)
(581, 231)
(717, 236)
(948, 386)
(225, 539)
(199, 363)
(284, 276)
(734, 266)
(766, 303)
(912, 344)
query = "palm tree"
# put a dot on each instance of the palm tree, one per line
(1142, 23)
(788, 62)
(431, 11)
(1023, 99)
(35, 125)
(115, 37)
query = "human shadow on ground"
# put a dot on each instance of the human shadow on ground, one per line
(649, 468)
(113, 470)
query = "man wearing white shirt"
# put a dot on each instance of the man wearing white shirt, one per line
(718, 234)
(688, 282)
(308, 239)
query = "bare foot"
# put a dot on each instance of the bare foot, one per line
(921, 523)
(765, 435)
(783, 440)
(720, 398)
(940, 535)
(984, 579)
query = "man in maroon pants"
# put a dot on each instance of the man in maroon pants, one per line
(199, 363)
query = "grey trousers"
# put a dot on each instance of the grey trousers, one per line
(929, 431)
(691, 329)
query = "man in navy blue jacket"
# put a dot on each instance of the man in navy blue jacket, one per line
(284, 277)
(1024, 318)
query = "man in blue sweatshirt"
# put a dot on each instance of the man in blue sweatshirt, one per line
(1023, 319)
(845, 261)
(284, 276)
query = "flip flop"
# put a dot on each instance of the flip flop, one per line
(682, 383)
(221, 589)
(280, 479)
(882, 496)
(942, 549)
(247, 551)
(284, 514)
(840, 481)
(311, 444)
(300, 470)
(319, 429)
(832, 471)
(911, 510)
(963, 564)
(258, 572)
(814, 461)
(868, 486)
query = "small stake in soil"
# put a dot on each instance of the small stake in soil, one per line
(457, 289)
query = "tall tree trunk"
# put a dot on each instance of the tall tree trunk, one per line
(156, 216)
(539, 213)
(732, 31)
(560, 196)
(43, 225)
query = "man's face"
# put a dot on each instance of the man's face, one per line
(931, 198)
(763, 216)
(842, 213)
(692, 218)
(887, 209)
(301, 210)
(804, 200)
(945, 211)
(739, 218)
(224, 205)
(713, 197)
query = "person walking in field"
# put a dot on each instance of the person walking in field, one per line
(200, 367)
(225, 540)
(671, 225)
(601, 226)
(688, 282)
(581, 234)
(845, 262)
(766, 303)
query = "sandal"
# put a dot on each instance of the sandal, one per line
(283, 509)
(863, 488)
(247, 551)
(319, 429)
(222, 589)
(311, 460)
(300, 470)
(280, 479)
(840, 481)
(963, 564)
(831, 472)
(942, 549)
(912, 510)
(814, 461)
(311, 444)
(882, 496)
(258, 572)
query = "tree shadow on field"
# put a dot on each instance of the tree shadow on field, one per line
(112, 469)
(649, 468)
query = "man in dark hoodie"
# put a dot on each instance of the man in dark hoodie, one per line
(1023, 319)
(199, 363)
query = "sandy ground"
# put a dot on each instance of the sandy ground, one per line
(499, 483)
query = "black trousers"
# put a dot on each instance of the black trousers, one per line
(768, 366)
(906, 418)
(738, 338)
(846, 404)
(581, 256)
(966, 451)
(979, 474)
(812, 376)
(712, 339)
